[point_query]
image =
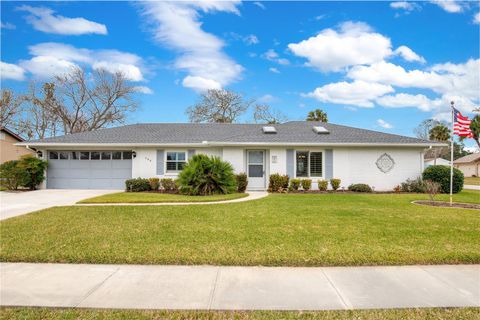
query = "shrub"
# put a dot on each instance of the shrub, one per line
(169, 185)
(278, 182)
(306, 184)
(204, 175)
(322, 185)
(360, 187)
(415, 185)
(335, 183)
(137, 185)
(11, 176)
(295, 184)
(33, 171)
(432, 188)
(441, 174)
(397, 188)
(154, 183)
(242, 182)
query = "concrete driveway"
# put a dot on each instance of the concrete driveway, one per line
(14, 204)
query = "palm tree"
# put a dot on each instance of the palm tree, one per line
(439, 133)
(317, 115)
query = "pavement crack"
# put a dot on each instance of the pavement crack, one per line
(95, 288)
(346, 304)
(212, 294)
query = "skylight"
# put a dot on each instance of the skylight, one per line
(320, 130)
(269, 129)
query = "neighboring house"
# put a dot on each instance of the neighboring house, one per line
(8, 149)
(438, 162)
(469, 165)
(103, 159)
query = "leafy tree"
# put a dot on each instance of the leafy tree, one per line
(264, 114)
(439, 133)
(11, 176)
(317, 115)
(220, 106)
(475, 127)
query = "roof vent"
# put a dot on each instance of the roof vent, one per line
(269, 129)
(320, 130)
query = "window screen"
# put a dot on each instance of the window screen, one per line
(315, 164)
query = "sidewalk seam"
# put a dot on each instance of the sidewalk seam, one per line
(346, 304)
(95, 288)
(212, 294)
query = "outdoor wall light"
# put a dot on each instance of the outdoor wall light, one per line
(134, 154)
(40, 154)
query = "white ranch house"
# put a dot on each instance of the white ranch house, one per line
(104, 159)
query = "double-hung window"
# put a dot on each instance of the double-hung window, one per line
(309, 164)
(175, 161)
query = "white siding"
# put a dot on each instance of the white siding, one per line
(144, 165)
(236, 157)
(280, 166)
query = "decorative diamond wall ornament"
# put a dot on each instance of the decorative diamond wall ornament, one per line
(385, 163)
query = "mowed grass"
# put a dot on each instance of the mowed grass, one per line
(381, 314)
(280, 230)
(151, 197)
(473, 181)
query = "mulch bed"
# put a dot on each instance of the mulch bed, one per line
(447, 204)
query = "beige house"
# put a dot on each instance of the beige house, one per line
(469, 165)
(8, 149)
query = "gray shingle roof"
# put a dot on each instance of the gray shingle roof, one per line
(468, 158)
(193, 133)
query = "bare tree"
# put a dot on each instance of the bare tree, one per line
(90, 104)
(10, 107)
(218, 106)
(264, 114)
(422, 131)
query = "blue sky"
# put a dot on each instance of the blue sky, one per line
(378, 65)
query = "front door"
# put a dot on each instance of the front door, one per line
(256, 169)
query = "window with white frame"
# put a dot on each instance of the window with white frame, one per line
(309, 164)
(175, 161)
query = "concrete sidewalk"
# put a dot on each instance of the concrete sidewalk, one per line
(238, 288)
(471, 187)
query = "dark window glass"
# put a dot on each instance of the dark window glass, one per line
(63, 155)
(171, 156)
(302, 164)
(106, 155)
(255, 170)
(74, 155)
(95, 155)
(171, 166)
(53, 155)
(127, 155)
(315, 164)
(84, 155)
(175, 161)
(116, 155)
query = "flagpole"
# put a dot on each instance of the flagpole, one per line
(451, 156)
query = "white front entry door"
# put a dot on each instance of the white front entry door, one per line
(256, 169)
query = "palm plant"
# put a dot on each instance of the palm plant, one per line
(317, 115)
(439, 133)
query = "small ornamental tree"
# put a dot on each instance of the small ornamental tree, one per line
(33, 171)
(441, 175)
(11, 176)
(204, 175)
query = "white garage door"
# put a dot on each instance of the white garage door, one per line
(88, 169)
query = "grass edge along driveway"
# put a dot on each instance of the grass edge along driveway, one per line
(280, 230)
(156, 197)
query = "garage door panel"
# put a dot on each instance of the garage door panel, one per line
(121, 164)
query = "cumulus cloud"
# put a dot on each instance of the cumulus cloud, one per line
(357, 93)
(52, 58)
(144, 90)
(404, 5)
(267, 98)
(408, 54)
(10, 71)
(451, 6)
(177, 25)
(274, 70)
(476, 18)
(273, 56)
(43, 19)
(384, 124)
(405, 100)
(7, 25)
(354, 43)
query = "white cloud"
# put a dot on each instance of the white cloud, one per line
(357, 93)
(274, 70)
(476, 18)
(177, 25)
(251, 39)
(260, 5)
(200, 84)
(43, 19)
(52, 58)
(451, 6)
(144, 90)
(354, 43)
(408, 54)
(405, 100)
(384, 124)
(268, 98)
(273, 56)
(11, 71)
(404, 5)
(7, 25)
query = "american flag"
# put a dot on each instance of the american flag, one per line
(461, 125)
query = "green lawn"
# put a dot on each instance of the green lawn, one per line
(151, 197)
(381, 314)
(475, 181)
(280, 230)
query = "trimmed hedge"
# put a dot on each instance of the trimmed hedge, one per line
(360, 187)
(295, 184)
(242, 182)
(441, 174)
(169, 185)
(335, 183)
(306, 184)
(322, 185)
(27, 172)
(137, 185)
(154, 183)
(277, 182)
